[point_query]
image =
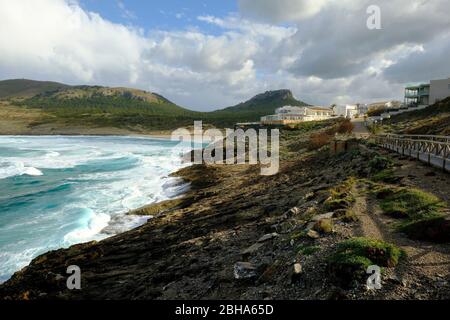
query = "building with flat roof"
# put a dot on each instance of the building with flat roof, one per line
(417, 94)
(427, 94)
(362, 108)
(439, 90)
(293, 114)
(346, 111)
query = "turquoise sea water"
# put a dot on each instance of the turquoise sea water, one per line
(57, 191)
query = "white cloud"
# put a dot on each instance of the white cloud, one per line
(58, 40)
(321, 50)
(281, 10)
(430, 61)
(333, 43)
(127, 14)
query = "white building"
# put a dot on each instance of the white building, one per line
(362, 108)
(346, 111)
(293, 114)
(427, 94)
(439, 90)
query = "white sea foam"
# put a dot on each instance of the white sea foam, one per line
(32, 171)
(13, 261)
(90, 184)
(90, 226)
(11, 169)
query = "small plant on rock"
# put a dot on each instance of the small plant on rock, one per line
(352, 258)
(341, 196)
(324, 226)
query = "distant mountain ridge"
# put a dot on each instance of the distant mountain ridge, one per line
(130, 108)
(266, 102)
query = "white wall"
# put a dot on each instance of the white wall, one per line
(291, 109)
(439, 90)
(348, 111)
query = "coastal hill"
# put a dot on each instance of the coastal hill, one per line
(95, 99)
(253, 109)
(263, 104)
(52, 107)
(27, 88)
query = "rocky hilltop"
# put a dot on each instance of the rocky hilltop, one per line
(283, 94)
(265, 103)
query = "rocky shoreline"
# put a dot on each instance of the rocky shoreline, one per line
(239, 235)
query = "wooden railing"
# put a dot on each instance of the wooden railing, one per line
(434, 150)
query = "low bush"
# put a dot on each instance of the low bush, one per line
(352, 258)
(386, 175)
(349, 216)
(435, 229)
(307, 250)
(318, 140)
(379, 163)
(382, 192)
(341, 196)
(413, 204)
(345, 127)
(324, 226)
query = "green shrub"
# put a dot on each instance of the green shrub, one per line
(349, 216)
(341, 196)
(370, 251)
(379, 163)
(324, 226)
(435, 229)
(386, 175)
(308, 126)
(382, 192)
(412, 204)
(352, 258)
(336, 204)
(307, 250)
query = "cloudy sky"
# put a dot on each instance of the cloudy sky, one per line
(206, 54)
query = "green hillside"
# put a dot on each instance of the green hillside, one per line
(27, 88)
(261, 105)
(433, 120)
(104, 100)
(97, 106)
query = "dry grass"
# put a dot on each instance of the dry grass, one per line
(318, 140)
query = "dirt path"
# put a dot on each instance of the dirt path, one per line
(360, 130)
(417, 174)
(367, 226)
(427, 264)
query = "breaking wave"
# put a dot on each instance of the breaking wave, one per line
(59, 191)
